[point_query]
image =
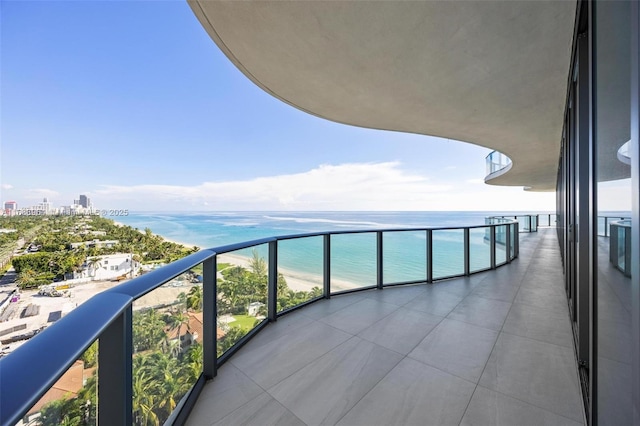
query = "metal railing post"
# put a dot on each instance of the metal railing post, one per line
(467, 252)
(326, 266)
(209, 318)
(507, 243)
(516, 240)
(627, 251)
(379, 260)
(115, 385)
(606, 226)
(492, 246)
(429, 256)
(272, 286)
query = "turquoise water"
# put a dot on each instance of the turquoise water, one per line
(353, 256)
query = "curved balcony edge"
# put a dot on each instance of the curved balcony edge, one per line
(497, 164)
(108, 316)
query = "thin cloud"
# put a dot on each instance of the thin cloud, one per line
(6, 186)
(358, 186)
(37, 193)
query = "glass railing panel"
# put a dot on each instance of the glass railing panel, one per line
(242, 293)
(167, 346)
(404, 256)
(73, 399)
(448, 253)
(353, 261)
(479, 249)
(622, 244)
(524, 223)
(501, 244)
(496, 161)
(601, 226)
(300, 268)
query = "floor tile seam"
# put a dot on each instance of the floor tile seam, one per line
(305, 365)
(403, 356)
(426, 335)
(273, 324)
(530, 403)
(347, 306)
(503, 323)
(535, 306)
(393, 303)
(256, 397)
(510, 333)
(522, 281)
(360, 331)
(466, 408)
(424, 312)
(473, 324)
(370, 390)
(380, 346)
(442, 370)
(486, 298)
(616, 361)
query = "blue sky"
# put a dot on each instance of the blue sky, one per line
(134, 105)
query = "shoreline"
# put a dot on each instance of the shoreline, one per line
(296, 280)
(169, 240)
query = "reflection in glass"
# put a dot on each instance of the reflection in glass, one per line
(613, 124)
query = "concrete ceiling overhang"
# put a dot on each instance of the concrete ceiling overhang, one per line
(485, 72)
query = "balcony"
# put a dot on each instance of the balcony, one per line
(482, 344)
(493, 348)
(497, 165)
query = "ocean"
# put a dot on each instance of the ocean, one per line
(353, 256)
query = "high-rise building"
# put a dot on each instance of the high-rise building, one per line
(10, 205)
(85, 201)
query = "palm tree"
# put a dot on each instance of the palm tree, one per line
(26, 278)
(143, 399)
(194, 298)
(316, 292)
(195, 357)
(94, 263)
(257, 264)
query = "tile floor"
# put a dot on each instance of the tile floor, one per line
(491, 349)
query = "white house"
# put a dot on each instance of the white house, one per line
(109, 266)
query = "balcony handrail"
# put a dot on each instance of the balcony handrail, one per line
(496, 162)
(29, 371)
(608, 221)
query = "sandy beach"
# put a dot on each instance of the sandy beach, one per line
(296, 280)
